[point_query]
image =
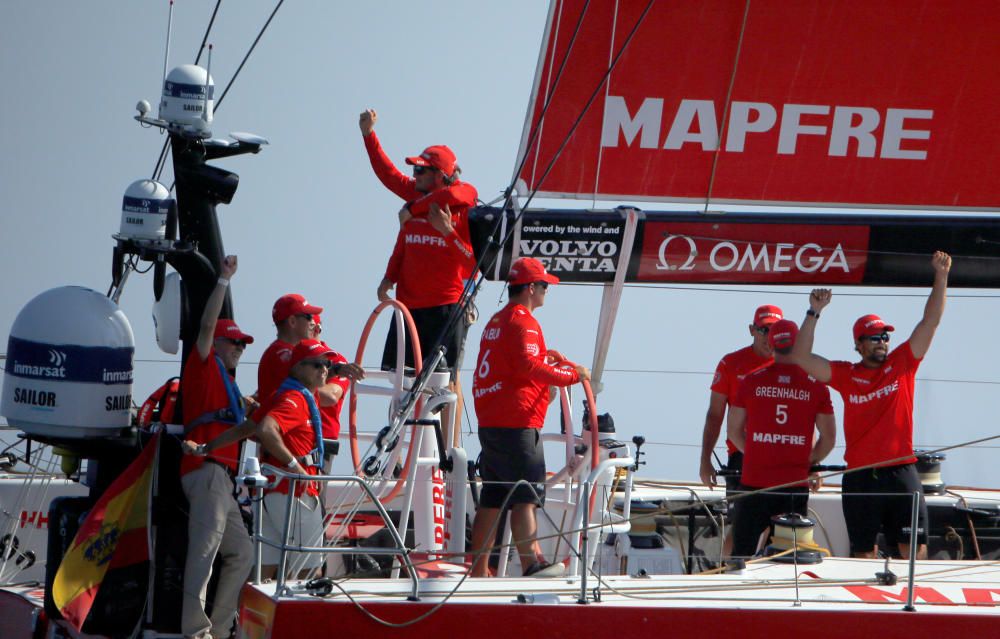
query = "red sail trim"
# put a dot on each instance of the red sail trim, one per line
(840, 103)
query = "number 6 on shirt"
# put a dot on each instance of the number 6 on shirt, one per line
(484, 366)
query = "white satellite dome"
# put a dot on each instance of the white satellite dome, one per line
(183, 100)
(144, 210)
(69, 366)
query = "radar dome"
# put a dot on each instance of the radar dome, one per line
(183, 100)
(144, 210)
(68, 372)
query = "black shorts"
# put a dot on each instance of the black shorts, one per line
(510, 455)
(429, 323)
(867, 514)
(755, 512)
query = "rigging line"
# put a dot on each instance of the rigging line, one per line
(548, 101)
(161, 162)
(473, 286)
(250, 51)
(587, 105)
(776, 291)
(725, 110)
(607, 91)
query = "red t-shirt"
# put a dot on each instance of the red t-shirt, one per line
(331, 414)
(781, 403)
(273, 368)
(427, 267)
(291, 412)
(730, 372)
(512, 379)
(204, 391)
(878, 408)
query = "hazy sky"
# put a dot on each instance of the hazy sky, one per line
(310, 217)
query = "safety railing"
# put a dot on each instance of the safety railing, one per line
(258, 483)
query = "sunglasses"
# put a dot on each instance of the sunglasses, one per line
(235, 342)
(544, 285)
(420, 170)
(763, 330)
(306, 316)
(876, 339)
(318, 363)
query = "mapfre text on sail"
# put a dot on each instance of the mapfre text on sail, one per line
(874, 132)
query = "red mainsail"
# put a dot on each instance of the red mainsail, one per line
(820, 102)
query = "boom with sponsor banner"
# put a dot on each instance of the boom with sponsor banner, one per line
(772, 248)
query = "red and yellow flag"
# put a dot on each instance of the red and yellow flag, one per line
(114, 534)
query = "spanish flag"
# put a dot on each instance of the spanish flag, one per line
(114, 534)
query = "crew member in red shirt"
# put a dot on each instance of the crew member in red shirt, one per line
(511, 388)
(290, 429)
(331, 394)
(729, 373)
(212, 404)
(772, 420)
(294, 318)
(432, 256)
(878, 418)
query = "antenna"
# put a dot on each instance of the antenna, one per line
(208, 78)
(166, 53)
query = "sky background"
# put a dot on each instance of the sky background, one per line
(310, 217)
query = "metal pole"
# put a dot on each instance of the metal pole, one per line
(795, 563)
(913, 552)
(583, 544)
(283, 557)
(258, 513)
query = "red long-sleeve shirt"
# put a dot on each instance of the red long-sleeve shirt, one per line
(427, 267)
(512, 379)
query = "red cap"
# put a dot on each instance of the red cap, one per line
(782, 334)
(292, 304)
(766, 315)
(228, 329)
(308, 349)
(316, 319)
(871, 325)
(527, 270)
(438, 156)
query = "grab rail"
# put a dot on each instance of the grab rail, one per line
(284, 547)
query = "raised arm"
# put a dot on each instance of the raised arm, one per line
(802, 354)
(710, 436)
(736, 427)
(923, 333)
(206, 331)
(387, 173)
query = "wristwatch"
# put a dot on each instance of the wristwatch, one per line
(812, 313)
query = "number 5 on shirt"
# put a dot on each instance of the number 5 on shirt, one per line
(781, 413)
